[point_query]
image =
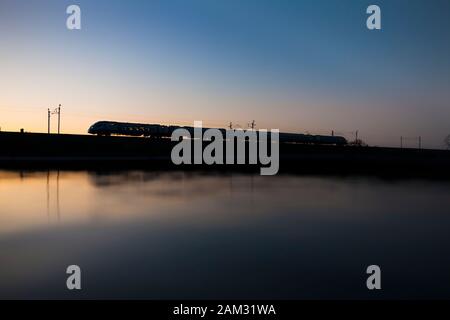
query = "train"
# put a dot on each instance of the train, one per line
(108, 128)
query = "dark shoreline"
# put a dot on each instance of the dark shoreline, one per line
(36, 151)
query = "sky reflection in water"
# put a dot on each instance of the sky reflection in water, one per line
(190, 235)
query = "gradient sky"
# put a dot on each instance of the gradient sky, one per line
(294, 65)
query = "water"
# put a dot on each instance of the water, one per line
(182, 235)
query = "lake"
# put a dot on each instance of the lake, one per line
(178, 235)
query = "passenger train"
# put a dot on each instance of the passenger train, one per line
(108, 128)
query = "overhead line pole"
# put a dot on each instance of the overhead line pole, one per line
(59, 118)
(48, 120)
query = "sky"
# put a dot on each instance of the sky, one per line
(298, 66)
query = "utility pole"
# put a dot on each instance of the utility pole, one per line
(48, 120)
(59, 118)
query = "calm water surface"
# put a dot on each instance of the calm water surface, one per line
(184, 235)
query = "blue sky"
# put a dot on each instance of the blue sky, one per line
(294, 65)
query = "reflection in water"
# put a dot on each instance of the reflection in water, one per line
(58, 211)
(184, 235)
(57, 196)
(48, 195)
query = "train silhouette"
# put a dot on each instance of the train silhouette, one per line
(108, 128)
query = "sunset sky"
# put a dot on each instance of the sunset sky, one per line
(300, 66)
